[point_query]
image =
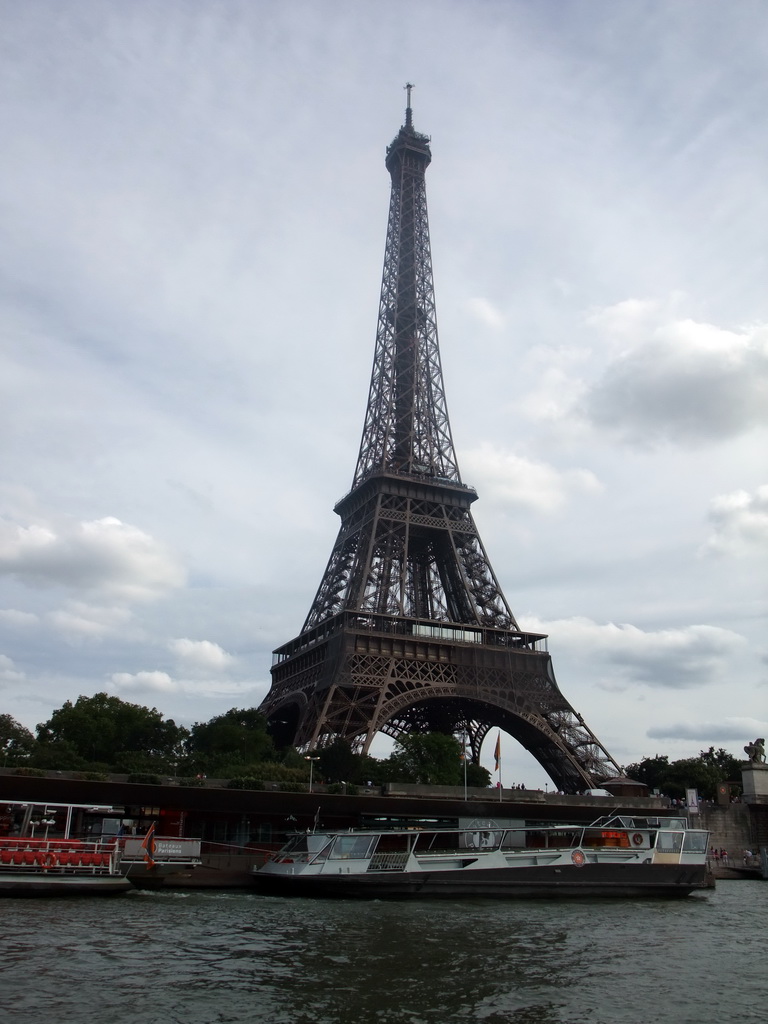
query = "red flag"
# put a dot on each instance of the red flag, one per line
(497, 752)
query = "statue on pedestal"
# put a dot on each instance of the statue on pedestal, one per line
(756, 751)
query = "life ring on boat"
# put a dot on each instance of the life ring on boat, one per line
(50, 860)
(637, 839)
(578, 858)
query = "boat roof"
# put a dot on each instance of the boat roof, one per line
(605, 821)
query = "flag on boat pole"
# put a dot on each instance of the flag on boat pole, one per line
(148, 846)
(497, 757)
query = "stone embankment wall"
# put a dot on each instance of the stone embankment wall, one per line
(731, 828)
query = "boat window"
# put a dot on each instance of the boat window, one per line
(565, 837)
(448, 842)
(395, 842)
(680, 823)
(351, 847)
(296, 844)
(669, 842)
(319, 850)
(695, 842)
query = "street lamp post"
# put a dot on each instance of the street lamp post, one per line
(311, 768)
(464, 759)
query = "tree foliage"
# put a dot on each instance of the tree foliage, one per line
(105, 729)
(229, 741)
(16, 742)
(338, 763)
(428, 758)
(478, 776)
(703, 773)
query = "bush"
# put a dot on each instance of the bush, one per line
(34, 773)
(293, 787)
(245, 782)
(192, 780)
(93, 776)
(145, 779)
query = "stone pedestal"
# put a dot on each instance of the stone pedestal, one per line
(754, 779)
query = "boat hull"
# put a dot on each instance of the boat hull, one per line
(592, 880)
(30, 884)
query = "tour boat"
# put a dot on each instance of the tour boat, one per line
(614, 856)
(51, 867)
(39, 855)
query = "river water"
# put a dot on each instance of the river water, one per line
(236, 957)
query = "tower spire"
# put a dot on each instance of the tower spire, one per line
(409, 630)
(408, 114)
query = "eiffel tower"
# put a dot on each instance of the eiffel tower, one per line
(409, 631)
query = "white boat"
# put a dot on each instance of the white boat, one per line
(613, 856)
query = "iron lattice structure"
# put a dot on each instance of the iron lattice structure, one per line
(409, 630)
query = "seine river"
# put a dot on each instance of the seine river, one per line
(221, 957)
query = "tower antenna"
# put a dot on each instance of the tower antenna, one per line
(408, 115)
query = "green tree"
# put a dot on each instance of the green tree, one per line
(703, 773)
(478, 776)
(61, 755)
(107, 730)
(651, 771)
(430, 758)
(228, 742)
(338, 762)
(728, 766)
(16, 742)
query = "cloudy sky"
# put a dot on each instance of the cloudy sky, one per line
(194, 204)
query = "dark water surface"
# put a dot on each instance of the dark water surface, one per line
(220, 957)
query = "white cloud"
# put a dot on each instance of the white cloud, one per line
(141, 682)
(205, 689)
(711, 732)
(78, 620)
(201, 656)
(623, 655)
(103, 555)
(518, 482)
(486, 313)
(14, 617)
(557, 386)
(739, 524)
(679, 380)
(8, 672)
(622, 322)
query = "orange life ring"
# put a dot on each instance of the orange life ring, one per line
(637, 839)
(50, 860)
(578, 858)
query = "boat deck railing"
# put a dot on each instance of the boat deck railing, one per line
(388, 861)
(59, 855)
